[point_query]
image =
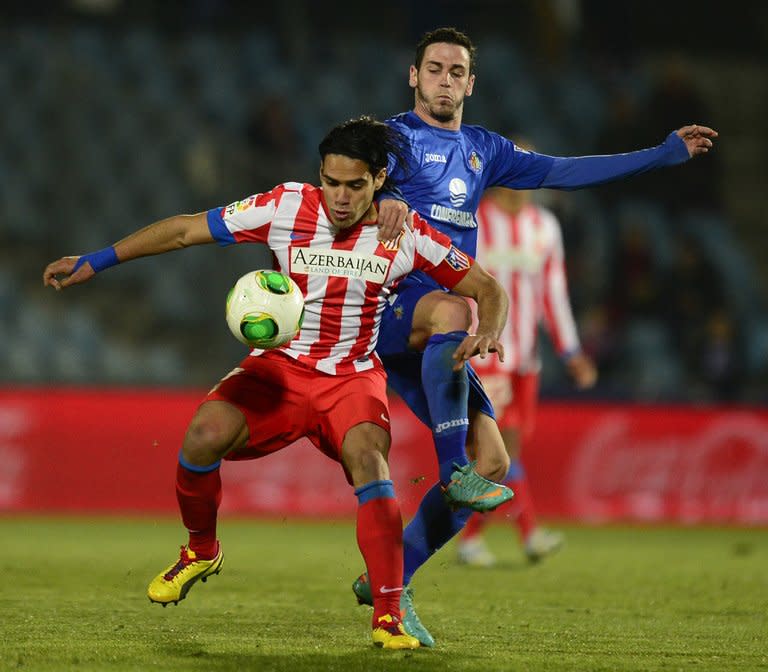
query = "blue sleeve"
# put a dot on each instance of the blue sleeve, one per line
(392, 191)
(513, 167)
(221, 234)
(588, 171)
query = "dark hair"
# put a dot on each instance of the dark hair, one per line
(366, 139)
(449, 36)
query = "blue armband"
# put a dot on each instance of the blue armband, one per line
(588, 171)
(99, 260)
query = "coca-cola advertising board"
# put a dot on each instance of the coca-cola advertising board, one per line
(111, 451)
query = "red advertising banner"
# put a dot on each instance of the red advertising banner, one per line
(109, 451)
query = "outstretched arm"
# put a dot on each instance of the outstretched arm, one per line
(492, 311)
(165, 235)
(587, 171)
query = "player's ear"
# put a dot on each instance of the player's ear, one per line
(413, 77)
(470, 85)
(379, 179)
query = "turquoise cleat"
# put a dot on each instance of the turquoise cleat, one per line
(468, 489)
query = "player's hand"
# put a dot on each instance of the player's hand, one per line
(582, 371)
(698, 139)
(476, 344)
(393, 218)
(64, 267)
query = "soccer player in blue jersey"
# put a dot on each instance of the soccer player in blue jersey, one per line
(450, 166)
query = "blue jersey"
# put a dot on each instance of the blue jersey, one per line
(448, 171)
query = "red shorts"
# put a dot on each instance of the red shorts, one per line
(515, 399)
(283, 401)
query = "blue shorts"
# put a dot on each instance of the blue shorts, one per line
(403, 364)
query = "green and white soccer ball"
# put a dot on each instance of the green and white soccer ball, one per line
(265, 309)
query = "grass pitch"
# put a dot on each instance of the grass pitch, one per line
(72, 597)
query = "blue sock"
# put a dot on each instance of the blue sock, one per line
(434, 524)
(447, 393)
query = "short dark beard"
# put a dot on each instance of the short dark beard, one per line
(442, 118)
(437, 116)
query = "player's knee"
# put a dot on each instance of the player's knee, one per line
(439, 313)
(364, 453)
(451, 313)
(206, 442)
(366, 465)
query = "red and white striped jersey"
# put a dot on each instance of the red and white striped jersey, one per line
(345, 276)
(524, 252)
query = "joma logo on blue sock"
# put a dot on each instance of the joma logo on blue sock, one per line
(450, 424)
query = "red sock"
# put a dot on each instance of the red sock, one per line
(380, 539)
(520, 509)
(199, 496)
(474, 526)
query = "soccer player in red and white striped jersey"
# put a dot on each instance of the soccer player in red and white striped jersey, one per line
(345, 277)
(328, 384)
(521, 245)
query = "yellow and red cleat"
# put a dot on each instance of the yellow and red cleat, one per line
(173, 583)
(390, 634)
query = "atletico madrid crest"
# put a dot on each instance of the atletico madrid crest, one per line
(457, 259)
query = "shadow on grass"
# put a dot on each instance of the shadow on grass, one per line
(363, 659)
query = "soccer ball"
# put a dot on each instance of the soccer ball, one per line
(265, 309)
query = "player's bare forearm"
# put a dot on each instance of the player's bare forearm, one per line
(492, 311)
(173, 233)
(161, 236)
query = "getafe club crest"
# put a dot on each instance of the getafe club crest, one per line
(474, 161)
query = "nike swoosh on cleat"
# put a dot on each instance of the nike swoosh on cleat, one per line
(384, 589)
(494, 493)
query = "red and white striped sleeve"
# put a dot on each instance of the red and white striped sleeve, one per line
(558, 316)
(248, 220)
(437, 256)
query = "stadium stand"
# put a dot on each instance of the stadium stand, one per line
(110, 127)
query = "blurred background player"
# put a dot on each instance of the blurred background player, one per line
(521, 245)
(327, 384)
